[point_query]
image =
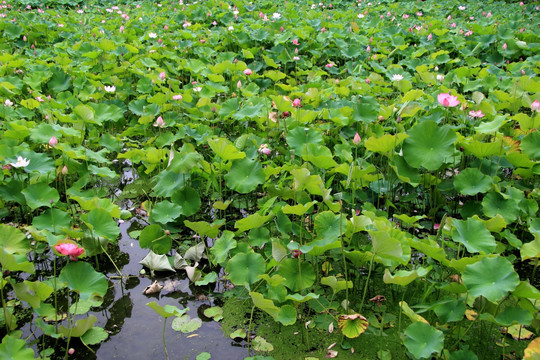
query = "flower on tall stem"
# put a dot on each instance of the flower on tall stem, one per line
(69, 249)
(53, 141)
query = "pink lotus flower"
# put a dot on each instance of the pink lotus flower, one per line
(504, 46)
(356, 140)
(535, 106)
(447, 100)
(177, 97)
(162, 75)
(248, 72)
(264, 149)
(368, 81)
(296, 102)
(429, 37)
(159, 122)
(323, 29)
(69, 249)
(368, 48)
(295, 42)
(53, 141)
(329, 65)
(239, 84)
(476, 114)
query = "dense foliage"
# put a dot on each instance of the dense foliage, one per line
(321, 154)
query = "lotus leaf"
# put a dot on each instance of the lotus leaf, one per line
(423, 340)
(491, 277)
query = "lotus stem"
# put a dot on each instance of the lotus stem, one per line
(367, 282)
(163, 336)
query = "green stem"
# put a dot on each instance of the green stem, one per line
(70, 324)
(367, 282)
(163, 336)
(4, 303)
(249, 327)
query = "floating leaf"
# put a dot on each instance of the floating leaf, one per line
(94, 336)
(238, 334)
(154, 288)
(156, 262)
(260, 344)
(186, 324)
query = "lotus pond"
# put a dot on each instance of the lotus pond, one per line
(269, 180)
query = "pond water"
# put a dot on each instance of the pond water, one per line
(135, 330)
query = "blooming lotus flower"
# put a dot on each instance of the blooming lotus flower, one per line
(53, 141)
(21, 162)
(177, 97)
(276, 16)
(152, 35)
(159, 122)
(476, 114)
(440, 77)
(447, 100)
(109, 89)
(248, 72)
(329, 65)
(535, 106)
(295, 42)
(296, 103)
(264, 149)
(296, 58)
(323, 29)
(356, 140)
(8, 103)
(397, 77)
(69, 249)
(162, 75)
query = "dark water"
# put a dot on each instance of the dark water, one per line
(135, 330)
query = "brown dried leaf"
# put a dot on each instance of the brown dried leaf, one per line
(153, 289)
(273, 116)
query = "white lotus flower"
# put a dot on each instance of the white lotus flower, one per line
(110, 89)
(8, 102)
(397, 77)
(152, 35)
(21, 162)
(276, 16)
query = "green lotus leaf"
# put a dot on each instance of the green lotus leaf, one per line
(166, 311)
(253, 221)
(33, 292)
(215, 312)
(107, 112)
(245, 175)
(318, 155)
(429, 145)
(204, 356)
(168, 182)
(60, 81)
(473, 234)
(154, 238)
(471, 181)
(385, 143)
(165, 212)
(329, 226)
(492, 278)
(188, 199)
(450, 310)
(12, 347)
(299, 137)
(222, 246)
(39, 163)
(40, 194)
(82, 278)
(513, 315)
(260, 344)
(335, 284)
(297, 278)
(423, 340)
(94, 336)
(13, 31)
(238, 334)
(225, 149)
(13, 240)
(531, 250)
(101, 223)
(211, 277)
(463, 355)
(404, 277)
(52, 220)
(366, 110)
(245, 268)
(186, 324)
(15, 262)
(204, 228)
(259, 236)
(531, 145)
(494, 203)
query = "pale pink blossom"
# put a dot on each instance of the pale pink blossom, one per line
(239, 84)
(535, 106)
(177, 97)
(295, 42)
(356, 140)
(296, 102)
(504, 46)
(162, 75)
(476, 114)
(248, 71)
(159, 122)
(447, 100)
(53, 141)
(429, 37)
